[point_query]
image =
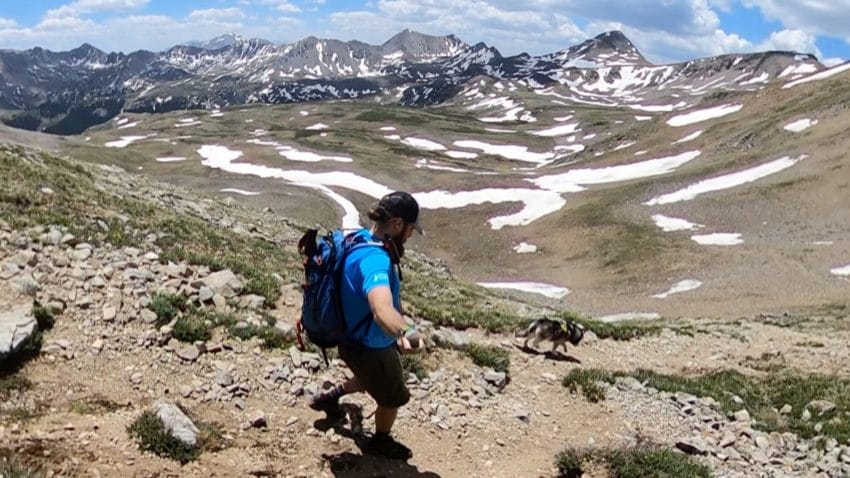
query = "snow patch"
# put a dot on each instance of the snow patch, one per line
(841, 271)
(574, 180)
(681, 286)
(525, 248)
(423, 144)
(672, 224)
(519, 153)
(718, 239)
(547, 290)
(317, 127)
(703, 115)
(800, 125)
(726, 181)
(690, 137)
(241, 192)
(170, 159)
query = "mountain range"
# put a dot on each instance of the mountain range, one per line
(68, 92)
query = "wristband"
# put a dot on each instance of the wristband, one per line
(406, 332)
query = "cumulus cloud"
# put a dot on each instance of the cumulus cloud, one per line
(216, 15)
(7, 23)
(279, 5)
(791, 40)
(813, 16)
(80, 7)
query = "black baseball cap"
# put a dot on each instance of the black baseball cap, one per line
(402, 205)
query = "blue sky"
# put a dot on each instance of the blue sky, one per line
(664, 30)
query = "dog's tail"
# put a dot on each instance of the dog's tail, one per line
(528, 330)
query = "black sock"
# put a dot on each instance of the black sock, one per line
(334, 393)
(382, 435)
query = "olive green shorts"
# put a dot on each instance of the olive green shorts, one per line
(380, 371)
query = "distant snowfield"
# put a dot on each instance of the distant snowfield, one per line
(428, 164)
(129, 125)
(690, 137)
(536, 203)
(643, 118)
(460, 154)
(703, 115)
(681, 286)
(317, 127)
(560, 130)
(628, 317)
(841, 271)
(525, 248)
(423, 144)
(718, 239)
(819, 76)
(726, 182)
(518, 153)
(125, 141)
(171, 159)
(575, 180)
(547, 290)
(672, 224)
(187, 122)
(293, 154)
(500, 130)
(241, 192)
(800, 125)
(387, 128)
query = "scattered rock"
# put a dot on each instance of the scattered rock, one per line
(821, 406)
(224, 283)
(499, 379)
(258, 420)
(16, 327)
(742, 416)
(693, 446)
(189, 353)
(176, 422)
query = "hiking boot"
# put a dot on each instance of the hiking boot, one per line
(387, 447)
(330, 406)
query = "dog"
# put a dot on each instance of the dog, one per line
(555, 331)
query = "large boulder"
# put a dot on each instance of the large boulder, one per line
(176, 422)
(17, 325)
(224, 283)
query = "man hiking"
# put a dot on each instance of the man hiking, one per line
(370, 288)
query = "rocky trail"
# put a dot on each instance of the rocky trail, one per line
(109, 357)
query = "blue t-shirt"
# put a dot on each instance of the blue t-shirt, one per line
(365, 269)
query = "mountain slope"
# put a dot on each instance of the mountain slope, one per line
(68, 92)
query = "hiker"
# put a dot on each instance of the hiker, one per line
(370, 289)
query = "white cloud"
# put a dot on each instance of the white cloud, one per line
(824, 17)
(279, 5)
(7, 23)
(216, 15)
(830, 62)
(80, 7)
(791, 40)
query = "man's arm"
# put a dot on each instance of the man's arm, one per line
(388, 318)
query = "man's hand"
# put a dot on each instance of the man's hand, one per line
(411, 345)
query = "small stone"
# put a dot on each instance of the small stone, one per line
(499, 379)
(806, 415)
(205, 294)
(148, 316)
(742, 416)
(97, 346)
(692, 446)
(821, 406)
(185, 391)
(786, 409)
(762, 441)
(109, 313)
(81, 255)
(728, 439)
(258, 420)
(137, 378)
(224, 378)
(189, 353)
(291, 421)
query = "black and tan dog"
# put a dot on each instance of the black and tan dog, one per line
(555, 331)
